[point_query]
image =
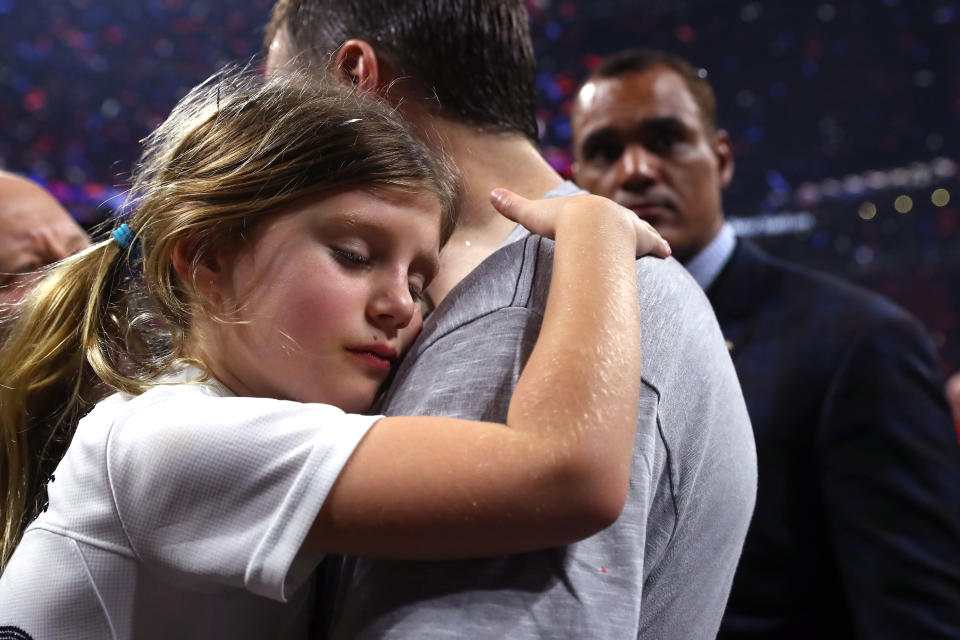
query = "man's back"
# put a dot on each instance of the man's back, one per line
(664, 568)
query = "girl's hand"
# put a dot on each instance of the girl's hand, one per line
(541, 216)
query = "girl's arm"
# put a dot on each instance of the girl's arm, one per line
(558, 470)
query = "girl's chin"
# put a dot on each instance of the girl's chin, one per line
(359, 402)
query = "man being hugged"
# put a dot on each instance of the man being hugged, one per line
(463, 73)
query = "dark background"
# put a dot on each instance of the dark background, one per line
(836, 109)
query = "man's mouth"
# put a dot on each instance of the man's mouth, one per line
(651, 211)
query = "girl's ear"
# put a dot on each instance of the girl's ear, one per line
(205, 275)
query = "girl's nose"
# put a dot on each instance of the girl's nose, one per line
(392, 306)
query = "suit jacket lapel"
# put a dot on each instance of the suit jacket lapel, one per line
(744, 283)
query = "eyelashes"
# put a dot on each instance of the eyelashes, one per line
(350, 258)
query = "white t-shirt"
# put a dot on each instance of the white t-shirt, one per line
(180, 513)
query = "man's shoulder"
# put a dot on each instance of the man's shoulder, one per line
(667, 285)
(518, 275)
(792, 285)
(679, 326)
(680, 330)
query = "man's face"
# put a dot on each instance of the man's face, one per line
(639, 139)
(34, 231)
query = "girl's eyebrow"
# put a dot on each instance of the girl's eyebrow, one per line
(357, 222)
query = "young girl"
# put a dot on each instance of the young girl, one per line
(259, 296)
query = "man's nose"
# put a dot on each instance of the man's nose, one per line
(638, 167)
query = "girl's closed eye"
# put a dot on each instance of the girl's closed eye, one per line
(351, 258)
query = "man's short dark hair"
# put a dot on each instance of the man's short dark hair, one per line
(474, 56)
(641, 60)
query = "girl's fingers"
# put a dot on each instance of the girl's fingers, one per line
(539, 216)
(649, 240)
(511, 205)
(532, 214)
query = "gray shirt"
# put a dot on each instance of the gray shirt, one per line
(664, 569)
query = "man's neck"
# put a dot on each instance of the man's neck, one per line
(709, 261)
(485, 161)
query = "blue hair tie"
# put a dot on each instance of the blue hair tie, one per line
(124, 236)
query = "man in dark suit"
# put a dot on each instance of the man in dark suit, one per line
(856, 531)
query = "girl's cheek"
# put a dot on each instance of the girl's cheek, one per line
(414, 329)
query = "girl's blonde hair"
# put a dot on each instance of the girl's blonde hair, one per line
(236, 150)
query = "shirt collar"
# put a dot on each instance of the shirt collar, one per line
(707, 265)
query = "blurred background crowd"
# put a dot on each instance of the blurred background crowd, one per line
(845, 116)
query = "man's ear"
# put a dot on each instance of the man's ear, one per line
(723, 150)
(206, 279)
(356, 62)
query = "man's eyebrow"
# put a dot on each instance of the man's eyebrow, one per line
(665, 122)
(610, 133)
(598, 137)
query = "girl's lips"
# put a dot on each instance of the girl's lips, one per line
(377, 356)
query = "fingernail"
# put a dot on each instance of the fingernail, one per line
(498, 194)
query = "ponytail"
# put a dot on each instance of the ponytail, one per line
(60, 345)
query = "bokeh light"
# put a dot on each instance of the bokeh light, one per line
(867, 211)
(940, 197)
(903, 204)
